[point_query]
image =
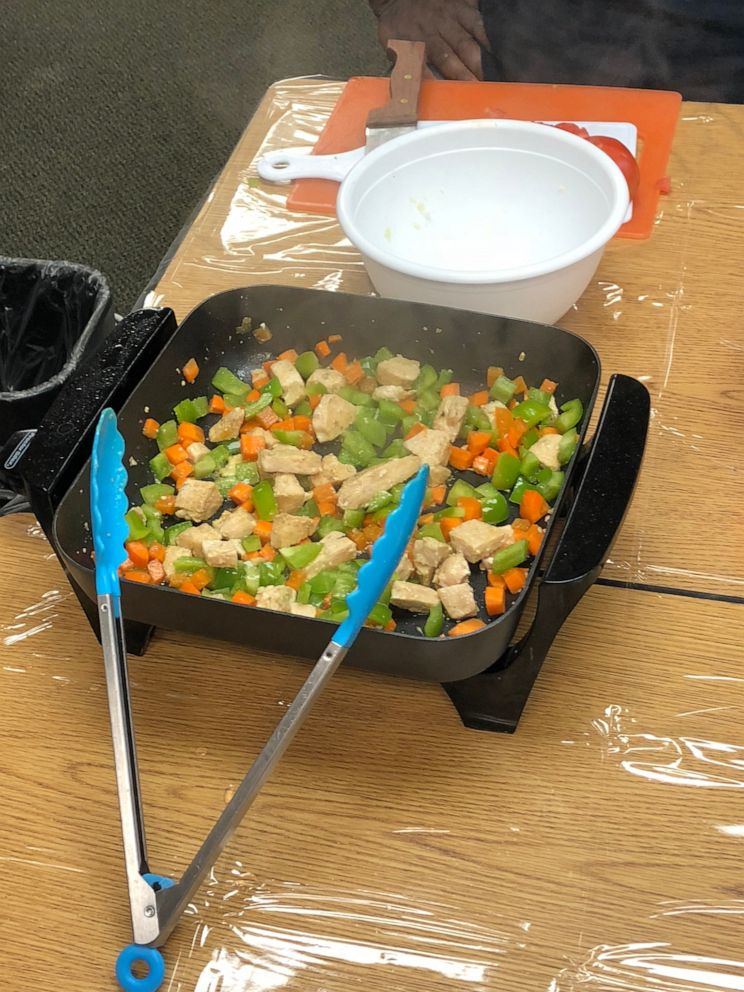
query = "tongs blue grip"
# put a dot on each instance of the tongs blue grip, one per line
(108, 503)
(386, 553)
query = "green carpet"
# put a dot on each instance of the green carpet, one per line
(116, 115)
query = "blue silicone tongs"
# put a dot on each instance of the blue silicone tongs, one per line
(157, 902)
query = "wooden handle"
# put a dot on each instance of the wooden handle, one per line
(405, 84)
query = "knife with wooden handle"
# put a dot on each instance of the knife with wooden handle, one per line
(400, 113)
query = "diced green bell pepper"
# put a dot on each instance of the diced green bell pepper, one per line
(353, 518)
(496, 510)
(160, 467)
(383, 513)
(322, 583)
(382, 355)
(205, 467)
(379, 615)
(227, 382)
(444, 378)
(370, 428)
(251, 576)
(304, 593)
(486, 491)
(226, 578)
(138, 526)
(188, 565)
(307, 363)
(530, 466)
(251, 409)
(531, 412)
(154, 523)
(224, 484)
(234, 400)
(171, 533)
(552, 486)
(189, 411)
(567, 446)
(167, 434)
(302, 555)
(303, 409)
(396, 449)
(506, 472)
(151, 494)
(431, 530)
(272, 388)
(247, 472)
(380, 499)
(477, 420)
(391, 413)
(539, 396)
(264, 500)
(520, 488)
(221, 454)
(427, 400)
(356, 396)
(201, 405)
(509, 557)
(460, 490)
(337, 612)
(316, 389)
(280, 408)
(570, 415)
(434, 622)
(427, 378)
(358, 447)
(396, 492)
(271, 573)
(251, 543)
(528, 439)
(502, 390)
(295, 438)
(449, 511)
(326, 525)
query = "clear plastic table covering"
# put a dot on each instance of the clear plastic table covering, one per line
(600, 847)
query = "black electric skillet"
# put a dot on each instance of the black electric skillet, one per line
(138, 374)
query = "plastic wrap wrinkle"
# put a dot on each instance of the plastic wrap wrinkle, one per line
(34, 619)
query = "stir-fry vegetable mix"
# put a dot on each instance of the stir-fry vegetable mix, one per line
(270, 493)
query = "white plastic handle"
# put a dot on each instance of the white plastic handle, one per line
(287, 164)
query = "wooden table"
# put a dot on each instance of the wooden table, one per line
(597, 849)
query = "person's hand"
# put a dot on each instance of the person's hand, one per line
(452, 29)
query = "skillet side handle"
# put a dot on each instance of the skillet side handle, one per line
(495, 700)
(64, 438)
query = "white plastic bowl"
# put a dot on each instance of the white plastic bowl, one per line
(502, 217)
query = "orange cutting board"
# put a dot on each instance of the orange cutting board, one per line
(654, 113)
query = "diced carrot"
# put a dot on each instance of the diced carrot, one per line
(150, 428)
(479, 399)
(460, 458)
(176, 453)
(166, 505)
(471, 506)
(324, 492)
(138, 553)
(200, 578)
(190, 370)
(492, 374)
(340, 362)
(216, 404)
(290, 355)
(263, 530)
(544, 431)
(190, 434)
(416, 429)
(243, 598)
(267, 553)
(322, 350)
(520, 384)
(284, 425)
(426, 518)
(448, 524)
(503, 420)
(126, 566)
(533, 506)
(268, 366)
(516, 432)
(326, 507)
(505, 448)
(267, 418)
(252, 396)
(450, 389)
(495, 580)
(478, 441)
(438, 495)
(515, 579)
(250, 445)
(156, 571)
(139, 575)
(189, 587)
(156, 552)
(259, 379)
(334, 338)
(181, 472)
(495, 600)
(303, 423)
(358, 538)
(353, 373)
(485, 463)
(241, 493)
(466, 627)
(548, 386)
(295, 579)
(408, 406)
(534, 539)
(314, 400)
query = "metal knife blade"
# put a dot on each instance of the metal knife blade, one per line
(400, 113)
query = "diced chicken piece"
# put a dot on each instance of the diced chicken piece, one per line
(228, 469)
(452, 571)
(404, 570)
(367, 385)
(336, 549)
(156, 570)
(172, 554)
(330, 378)
(288, 530)
(336, 471)
(235, 524)
(288, 493)
(409, 596)
(459, 601)
(393, 393)
(398, 371)
(428, 555)
(553, 406)
(276, 598)
(359, 490)
(450, 415)
(197, 500)
(303, 610)
(332, 416)
(546, 450)
(269, 440)
(196, 450)
(220, 554)
(293, 386)
(439, 474)
(432, 447)
(490, 408)
(289, 460)
(476, 539)
(228, 426)
(193, 539)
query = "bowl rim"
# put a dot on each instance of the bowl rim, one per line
(483, 276)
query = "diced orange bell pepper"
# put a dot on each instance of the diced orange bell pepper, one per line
(290, 355)
(495, 600)
(241, 494)
(493, 373)
(322, 350)
(150, 428)
(548, 386)
(190, 434)
(217, 404)
(139, 575)
(190, 370)
(243, 598)
(250, 445)
(466, 627)
(516, 432)
(448, 524)
(460, 458)
(176, 454)
(138, 553)
(533, 506)
(515, 579)
(479, 399)
(450, 389)
(156, 552)
(478, 441)
(166, 505)
(471, 506)
(181, 472)
(353, 373)
(503, 420)
(340, 362)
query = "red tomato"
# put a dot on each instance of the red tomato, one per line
(573, 129)
(623, 158)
